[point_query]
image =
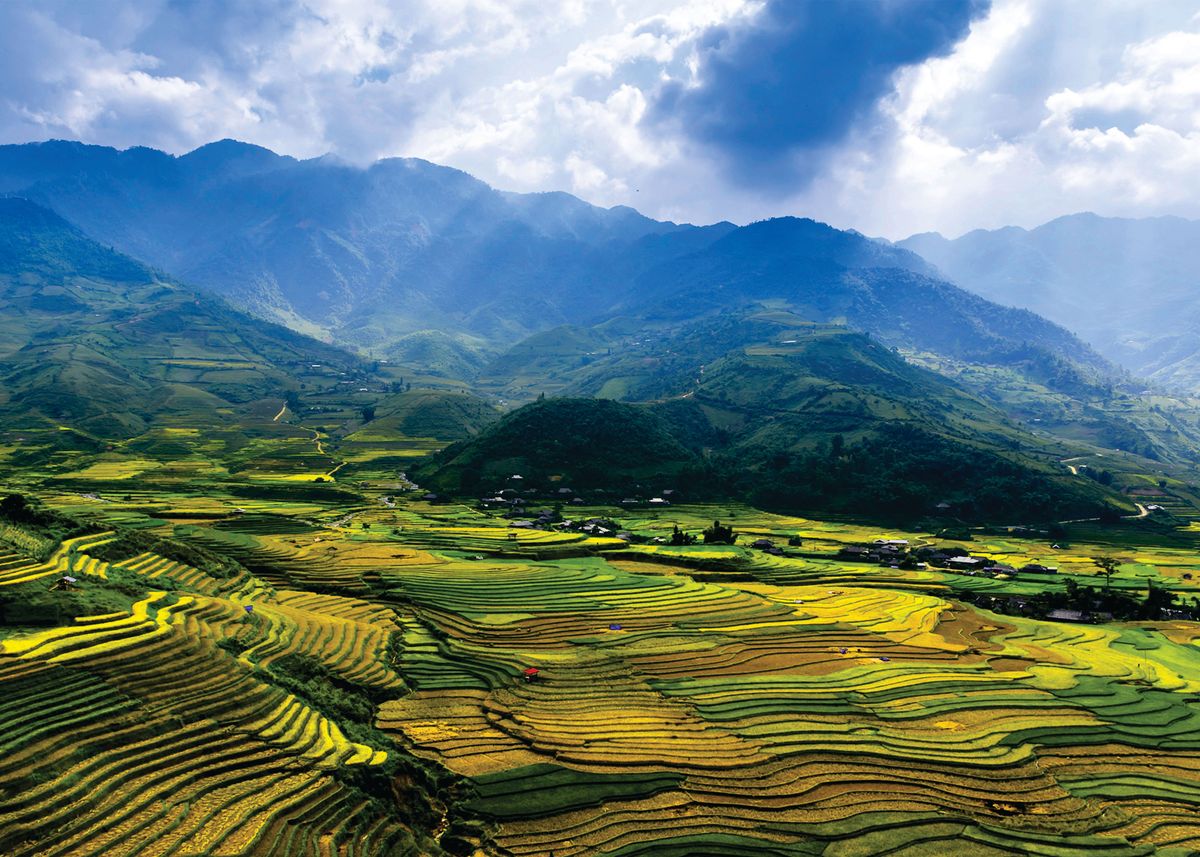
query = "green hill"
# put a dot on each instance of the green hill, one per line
(808, 418)
(429, 414)
(96, 341)
(581, 443)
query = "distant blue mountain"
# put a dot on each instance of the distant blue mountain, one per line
(1129, 287)
(370, 257)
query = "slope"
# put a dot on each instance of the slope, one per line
(378, 257)
(94, 340)
(766, 406)
(1127, 286)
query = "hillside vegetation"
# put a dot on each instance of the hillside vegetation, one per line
(428, 266)
(817, 418)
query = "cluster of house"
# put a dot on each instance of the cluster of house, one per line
(1021, 605)
(896, 553)
(767, 546)
(600, 527)
(883, 551)
(516, 498)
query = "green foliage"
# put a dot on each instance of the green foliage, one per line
(903, 471)
(680, 538)
(37, 529)
(589, 443)
(719, 535)
(35, 604)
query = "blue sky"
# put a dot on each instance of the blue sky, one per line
(889, 116)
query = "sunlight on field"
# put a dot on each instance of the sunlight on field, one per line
(683, 694)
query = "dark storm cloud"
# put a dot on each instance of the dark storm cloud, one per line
(776, 92)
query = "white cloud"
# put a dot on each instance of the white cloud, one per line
(1028, 119)
(1046, 108)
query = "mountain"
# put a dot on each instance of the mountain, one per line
(582, 443)
(767, 407)
(97, 342)
(1126, 286)
(361, 254)
(430, 268)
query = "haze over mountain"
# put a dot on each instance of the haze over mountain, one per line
(376, 258)
(1131, 288)
(96, 341)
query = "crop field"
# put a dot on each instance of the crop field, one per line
(288, 665)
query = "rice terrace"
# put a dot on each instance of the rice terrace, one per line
(684, 428)
(326, 667)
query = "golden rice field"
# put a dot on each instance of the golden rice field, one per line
(703, 700)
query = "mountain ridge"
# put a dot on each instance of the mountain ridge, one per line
(1081, 270)
(366, 256)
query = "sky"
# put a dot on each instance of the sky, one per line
(888, 116)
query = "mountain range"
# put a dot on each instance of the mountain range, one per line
(403, 258)
(96, 347)
(145, 290)
(1128, 287)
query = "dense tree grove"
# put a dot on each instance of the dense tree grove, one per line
(905, 472)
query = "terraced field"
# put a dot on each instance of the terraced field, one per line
(710, 700)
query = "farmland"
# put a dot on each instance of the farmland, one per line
(256, 664)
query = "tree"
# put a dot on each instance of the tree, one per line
(679, 537)
(368, 413)
(15, 507)
(1108, 566)
(719, 535)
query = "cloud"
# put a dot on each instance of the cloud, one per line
(772, 94)
(892, 116)
(1043, 110)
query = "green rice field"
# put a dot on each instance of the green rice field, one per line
(340, 669)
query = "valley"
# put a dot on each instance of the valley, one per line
(759, 540)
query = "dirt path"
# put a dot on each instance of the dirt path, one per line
(1067, 461)
(321, 451)
(279, 415)
(1141, 513)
